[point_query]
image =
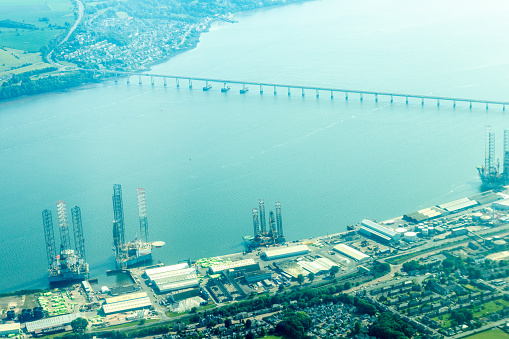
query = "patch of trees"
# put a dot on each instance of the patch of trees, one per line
(390, 326)
(380, 269)
(15, 24)
(26, 86)
(461, 316)
(413, 265)
(294, 325)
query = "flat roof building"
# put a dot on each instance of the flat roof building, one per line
(7, 329)
(42, 324)
(240, 265)
(178, 285)
(458, 205)
(127, 305)
(154, 273)
(284, 252)
(377, 232)
(351, 252)
(255, 276)
(125, 297)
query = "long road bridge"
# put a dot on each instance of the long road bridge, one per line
(278, 86)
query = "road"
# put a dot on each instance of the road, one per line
(81, 10)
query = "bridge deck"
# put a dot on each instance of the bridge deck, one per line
(313, 88)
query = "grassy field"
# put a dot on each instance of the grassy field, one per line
(15, 58)
(58, 12)
(490, 307)
(490, 334)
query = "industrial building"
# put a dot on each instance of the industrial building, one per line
(127, 302)
(69, 264)
(51, 325)
(284, 252)
(458, 205)
(256, 276)
(425, 214)
(318, 266)
(9, 329)
(459, 231)
(351, 252)
(247, 265)
(175, 280)
(161, 272)
(501, 205)
(377, 232)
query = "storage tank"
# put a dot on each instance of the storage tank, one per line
(431, 230)
(488, 241)
(425, 231)
(410, 236)
(485, 218)
(500, 244)
(477, 216)
(401, 230)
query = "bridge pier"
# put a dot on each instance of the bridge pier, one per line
(422, 101)
(302, 89)
(361, 96)
(346, 95)
(177, 80)
(116, 77)
(190, 83)
(288, 91)
(261, 89)
(470, 105)
(438, 102)
(376, 97)
(486, 106)
(392, 99)
(454, 104)
(164, 80)
(275, 92)
(152, 80)
(317, 93)
(406, 100)
(503, 107)
(331, 94)
(128, 82)
(139, 79)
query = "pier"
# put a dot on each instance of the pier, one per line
(302, 89)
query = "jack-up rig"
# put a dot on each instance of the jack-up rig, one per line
(140, 249)
(262, 236)
(490, 174)
(69, 265)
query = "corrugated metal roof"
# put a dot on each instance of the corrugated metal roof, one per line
(379, 228)
(166, 268)
(165, 275)
(234, 264)
(9, 327)
(458, 204)
(52, 322)
(179, 285)
(126, 305)
(286, 250)
(175, 278)
(351, 252)
(125, 297)
(370, 231)
(310, 266)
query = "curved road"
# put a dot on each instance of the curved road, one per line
(81, 10)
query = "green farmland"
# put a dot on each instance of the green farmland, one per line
(490, 334)
(49, 18)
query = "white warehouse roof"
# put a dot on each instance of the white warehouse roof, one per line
(127, 305)
(126, 297)
(6, 329)
(232, 265)
(351, 252)
(52, 322)
(179, 285)
(159, 270)
(380, 229)
(169, 274)
(284, 252)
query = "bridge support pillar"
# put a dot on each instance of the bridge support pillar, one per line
(438, 102)
(128, 82)
(317, 93)
(116, 77)
(486, 106)
(346, 95)
(503, 107)
(376, 97)
(331, 94)
(139, 79)
(422, 101)
(261, 89)
(392, 99)
(361, 96)
(302, 90)
(406, 100)
(152, 80)
(288, 91)
(275, 92)
(164, 79)
(190, 83)
(177, 80)
(470, 105)
(454, 104)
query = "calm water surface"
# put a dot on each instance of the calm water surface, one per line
(205, 158)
